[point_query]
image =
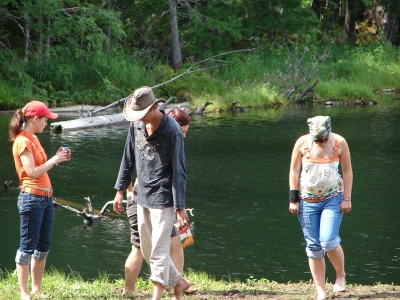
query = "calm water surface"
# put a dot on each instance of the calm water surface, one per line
(238, 186)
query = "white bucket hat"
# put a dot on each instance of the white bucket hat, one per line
(139, 103)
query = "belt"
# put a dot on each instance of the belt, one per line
(316, 199)
(39, 192)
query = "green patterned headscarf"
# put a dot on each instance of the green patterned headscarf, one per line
(320, 127)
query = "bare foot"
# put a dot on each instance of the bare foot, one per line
(191, 290)
(339, 285)
(182, 285)
(132, 293)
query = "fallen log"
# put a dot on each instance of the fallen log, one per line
(85, 123)
(111, 119)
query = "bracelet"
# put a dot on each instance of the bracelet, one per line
(347, 199)
(293, 196)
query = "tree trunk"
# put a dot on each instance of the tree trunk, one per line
(48, 38)
(337, 11)
(40, 50)
(390, 27)
(350, 22)
(386, 22)
(176, 47)
(27, 39)
(108, 31)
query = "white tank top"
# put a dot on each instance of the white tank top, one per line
(320, 178)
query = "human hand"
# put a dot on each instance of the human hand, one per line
(182, 218)
(63, 154)
(117, 203)
(294, 208)
(345, 206)
(68, 150)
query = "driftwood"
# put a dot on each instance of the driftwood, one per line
(7, 185)
(237, 106)
(88, 214)
(85, 123)
(164, 105)
(386, 91)
(114, 119)
(308, 89)
(201, 109)
(299, 79)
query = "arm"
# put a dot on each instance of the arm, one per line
(179, 179)
(34, 171)
(125, 171)
(178, 171)
(129, 192)
(294, 173)
(347, 171)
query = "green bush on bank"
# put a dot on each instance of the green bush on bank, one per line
(253, 78)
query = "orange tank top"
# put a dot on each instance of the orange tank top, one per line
(25, 141)
(307, 155)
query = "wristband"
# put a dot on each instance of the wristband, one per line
(294, 196)
(347, 199)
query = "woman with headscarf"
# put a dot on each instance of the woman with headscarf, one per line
(319, 195)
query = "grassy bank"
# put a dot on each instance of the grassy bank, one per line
(257, 78)
(57, 285)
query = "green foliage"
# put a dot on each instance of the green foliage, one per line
(356, 72)
(344, 90)
(91, 52)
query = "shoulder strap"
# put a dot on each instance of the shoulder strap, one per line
(306, 148)
(336, 147)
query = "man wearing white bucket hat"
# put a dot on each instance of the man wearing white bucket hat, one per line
(154, 147)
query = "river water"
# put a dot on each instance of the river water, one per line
(238, 186)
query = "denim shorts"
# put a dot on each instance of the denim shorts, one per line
(320, 222)
(36, 224)
(131, 213)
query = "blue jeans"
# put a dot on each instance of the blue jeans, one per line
(320, 222)
(36, 224)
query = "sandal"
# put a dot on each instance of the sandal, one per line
(190, 291)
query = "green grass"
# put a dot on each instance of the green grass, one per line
(58, 285)
(253, 78)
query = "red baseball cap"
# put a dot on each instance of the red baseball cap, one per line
(38, 109)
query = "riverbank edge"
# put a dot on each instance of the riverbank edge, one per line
(79, 110)
(57, 285)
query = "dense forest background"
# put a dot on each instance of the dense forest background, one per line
(78, 51)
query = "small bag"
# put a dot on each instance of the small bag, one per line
(185, 235)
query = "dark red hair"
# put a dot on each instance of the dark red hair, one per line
(180, 116)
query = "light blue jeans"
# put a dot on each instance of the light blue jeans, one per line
(320, 222)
